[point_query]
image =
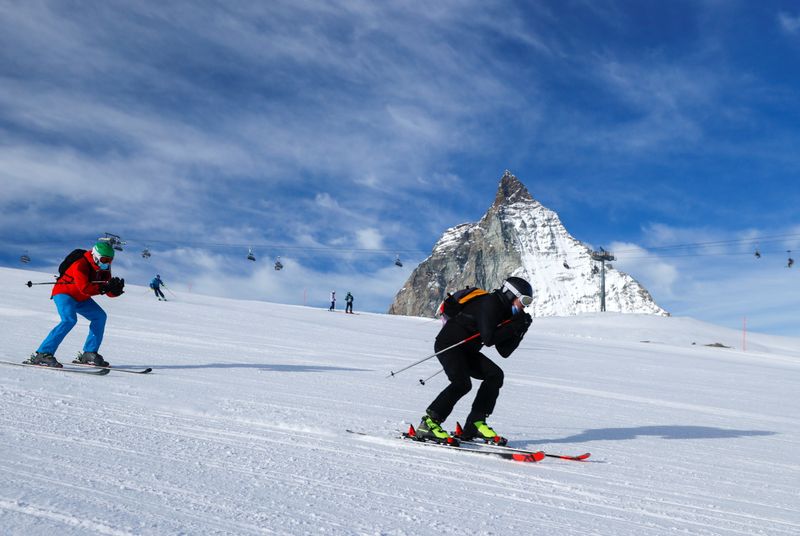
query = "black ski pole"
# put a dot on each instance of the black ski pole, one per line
(431, 376)
(29, 284)
(392, 373)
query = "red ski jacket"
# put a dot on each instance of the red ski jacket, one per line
(83, 279)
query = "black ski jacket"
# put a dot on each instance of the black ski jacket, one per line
(483, 315)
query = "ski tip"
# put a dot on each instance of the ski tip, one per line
(411, 432)
(459, 431)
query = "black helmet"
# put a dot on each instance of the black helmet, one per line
(516, 287)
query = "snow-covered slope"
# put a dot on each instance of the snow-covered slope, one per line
(240, 428)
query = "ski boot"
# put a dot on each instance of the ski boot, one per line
(430, 430)
(91, 358)
(44, 359)
(480, 431)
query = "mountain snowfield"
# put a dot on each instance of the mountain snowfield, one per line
(519, 236)
(240, 429)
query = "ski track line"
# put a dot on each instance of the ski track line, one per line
(154, 507)
(61, 518)
(201, 434)
(682, 512)
(423, 460)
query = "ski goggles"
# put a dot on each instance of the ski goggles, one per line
(524, 300)
(105, 260)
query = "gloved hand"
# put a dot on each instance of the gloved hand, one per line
(114, 286)
(521, 322)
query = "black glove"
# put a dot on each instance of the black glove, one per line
(114, 286)
(521, 323)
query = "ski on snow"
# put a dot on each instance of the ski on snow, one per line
(577, 458)
(147, 370)
(502, 451)
(476, 441)
(92, 372)
(529, 456)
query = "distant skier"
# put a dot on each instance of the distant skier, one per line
(349, 301)
(88, 275)
(485, 314)
(156, 284)
(333, 301)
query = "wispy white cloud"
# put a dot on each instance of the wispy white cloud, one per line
(789, 23)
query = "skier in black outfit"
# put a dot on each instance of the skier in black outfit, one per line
(500, 319)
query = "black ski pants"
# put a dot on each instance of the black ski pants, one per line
(461, 364)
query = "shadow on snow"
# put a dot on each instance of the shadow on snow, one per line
(664, 432)
(266, 367)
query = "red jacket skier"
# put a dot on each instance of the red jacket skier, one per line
(89, 275)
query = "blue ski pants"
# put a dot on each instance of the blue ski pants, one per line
(68, 310)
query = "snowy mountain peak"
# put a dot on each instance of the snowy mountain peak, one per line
(520, 236)
(511, 191)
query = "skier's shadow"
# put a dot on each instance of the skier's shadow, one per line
(264, 367)
(664, 432)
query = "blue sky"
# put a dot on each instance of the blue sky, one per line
(318, 130)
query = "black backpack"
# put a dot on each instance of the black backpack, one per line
(454, 303)
(69, 260)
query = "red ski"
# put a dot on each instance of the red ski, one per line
(503, 447)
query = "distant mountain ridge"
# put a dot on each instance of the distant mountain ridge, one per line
(520, 236)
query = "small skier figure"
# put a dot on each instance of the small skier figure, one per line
(349, 301)
(156, 284)
(487, 315)
(333, 301)
(88, 276)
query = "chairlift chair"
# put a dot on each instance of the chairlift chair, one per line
(397, 262)
(278, 264)
(250, 256)
(145, 253)
(115, 241)
(790, 262)
(24, 258)
(758, 254)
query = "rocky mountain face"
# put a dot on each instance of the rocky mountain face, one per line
(519, 236)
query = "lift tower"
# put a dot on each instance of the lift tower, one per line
(602, 256)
